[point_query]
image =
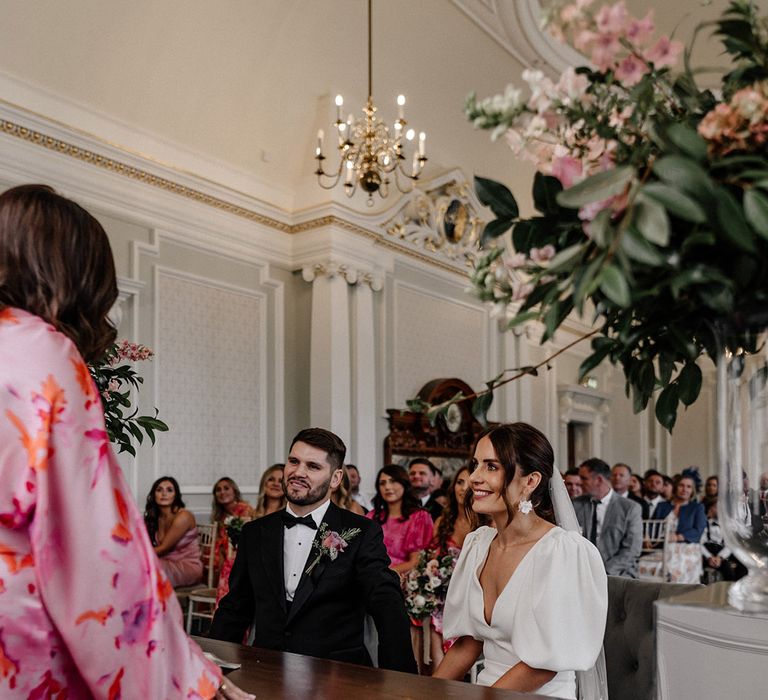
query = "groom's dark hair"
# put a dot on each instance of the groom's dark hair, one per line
(326, 441)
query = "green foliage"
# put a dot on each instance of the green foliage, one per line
(115, 383)
(670, 245)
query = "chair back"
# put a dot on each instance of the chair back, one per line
(206, 537)
(654, 535)
(630, 636)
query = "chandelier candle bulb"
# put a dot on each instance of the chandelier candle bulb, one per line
(401, 106)
(339, 103)
(422, 144)
(320, 136)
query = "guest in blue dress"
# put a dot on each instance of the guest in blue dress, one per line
(690, 515)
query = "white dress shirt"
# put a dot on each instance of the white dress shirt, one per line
(602, 506)
(653, 502)
(297, 546)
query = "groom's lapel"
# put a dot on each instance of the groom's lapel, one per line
(308, 582)
(272, 554)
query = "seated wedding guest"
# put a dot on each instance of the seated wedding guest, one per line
(423, 474)
(86, 610)
(636, 485)
(271, 496)
(228, 503)
(354, 487)
(718, 561)
(530, 596)
(310, 596)
(711, 487)
(450, 531)
(669, 486)
(688, 516)
(572, 482)
(343, 498)
(612, 523)
(173, 533)
(653, 485)
(621, 475)
(407, 526)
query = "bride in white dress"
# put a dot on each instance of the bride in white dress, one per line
(529, 595)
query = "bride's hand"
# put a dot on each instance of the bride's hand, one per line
(229, 691)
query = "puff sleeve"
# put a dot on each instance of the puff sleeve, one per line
(561, 626)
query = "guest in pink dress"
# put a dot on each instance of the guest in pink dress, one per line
(407, 526)
(173, 533)
(86, 611)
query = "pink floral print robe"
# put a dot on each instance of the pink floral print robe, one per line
(85, 610)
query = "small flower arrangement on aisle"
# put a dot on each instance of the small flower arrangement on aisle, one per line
(114, 382)
(426, 585)
(651, 198)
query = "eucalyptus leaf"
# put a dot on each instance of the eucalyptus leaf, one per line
(614, 285)
(597, 187)
(565, 258)
(522, 318)
(676, 202)
(688, 141)
(685, 174)
(650, 219)
(600, 229)
(733, 226)
(756, 211)
(480, 407)
(638, 248)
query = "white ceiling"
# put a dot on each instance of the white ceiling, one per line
(238, 88)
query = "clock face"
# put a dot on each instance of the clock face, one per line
(453, 417)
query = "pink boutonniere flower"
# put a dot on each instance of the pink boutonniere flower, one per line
(330, 543)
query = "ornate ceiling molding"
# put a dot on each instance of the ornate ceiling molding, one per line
(515, 26)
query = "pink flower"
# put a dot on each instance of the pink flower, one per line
(567, 169)
(542, 255)
(612, 18)
(333, 540)
(521, 290)
(664, 52)
(640, 30)
(631, 70)
(604, 51)
(514, 262)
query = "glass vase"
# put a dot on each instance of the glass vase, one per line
(742, 417)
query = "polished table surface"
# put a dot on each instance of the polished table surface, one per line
(282, 675)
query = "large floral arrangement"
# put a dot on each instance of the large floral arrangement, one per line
(426, 585)
(652, 199)
(114, 382)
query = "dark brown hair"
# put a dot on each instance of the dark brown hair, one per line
(450, 514)
(152, 510)
(521, 445)
(410, 502)
(326, 441)
(56, 263)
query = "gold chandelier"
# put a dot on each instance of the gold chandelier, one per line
(369, 152)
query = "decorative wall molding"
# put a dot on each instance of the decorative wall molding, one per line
(516, 27)
(351, 274)
(70, 142)
(443, 219)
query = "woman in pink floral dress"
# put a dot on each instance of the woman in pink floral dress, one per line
(407, 526)
(86, 611)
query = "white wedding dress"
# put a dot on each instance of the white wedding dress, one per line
(551, 614)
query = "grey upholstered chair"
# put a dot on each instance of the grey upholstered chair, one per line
(630, 655)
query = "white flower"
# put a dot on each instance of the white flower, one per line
(419, 601)
(435, 582)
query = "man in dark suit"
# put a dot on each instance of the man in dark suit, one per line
(614, 524)
(620, 476)
(300, 586)
(423, 475)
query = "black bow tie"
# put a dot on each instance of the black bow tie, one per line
(290, 520)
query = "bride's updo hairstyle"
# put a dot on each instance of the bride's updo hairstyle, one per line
(521, 446)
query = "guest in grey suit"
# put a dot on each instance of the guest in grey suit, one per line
(614, 524)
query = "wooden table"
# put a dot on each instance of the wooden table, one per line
(279, 675)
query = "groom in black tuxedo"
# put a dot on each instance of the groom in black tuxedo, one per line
(319, 613)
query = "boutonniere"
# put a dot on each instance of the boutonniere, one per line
(330, 543)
